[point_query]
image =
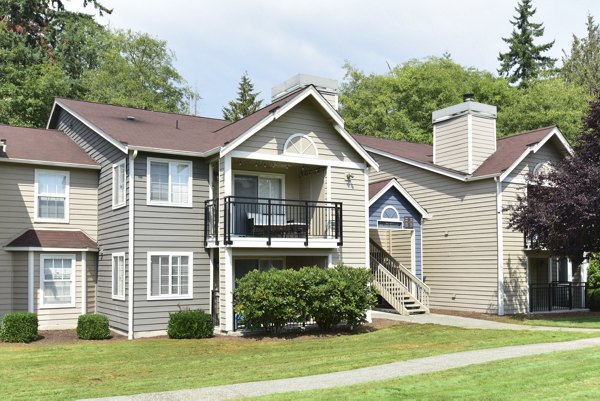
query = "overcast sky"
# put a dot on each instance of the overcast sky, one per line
(216, 41)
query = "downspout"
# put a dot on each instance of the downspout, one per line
(500, 245)
(131, 252)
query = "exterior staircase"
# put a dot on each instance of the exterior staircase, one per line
(404, 291)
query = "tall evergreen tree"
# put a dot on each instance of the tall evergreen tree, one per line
(524, 60)
(582, 66)
(246, 102)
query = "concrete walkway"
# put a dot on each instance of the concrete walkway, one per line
(469, 323)
(358, 376)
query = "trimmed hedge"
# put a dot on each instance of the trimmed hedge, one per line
(594, 299)
(269, 300)
(19, 327)
(190, 324)
(93, 327)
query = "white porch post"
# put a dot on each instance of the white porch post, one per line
(30, 282)
(228, 191)
(83, 282)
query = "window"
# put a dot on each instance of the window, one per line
(57, 281)
(118, 187)
(244, 266)
(169, 182)
(300, 145)
(170, 275)
(390, 218)
(51, 196)
(118, 275)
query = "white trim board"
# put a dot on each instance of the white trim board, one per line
(395, 184)
(309, 91)
(51, 164)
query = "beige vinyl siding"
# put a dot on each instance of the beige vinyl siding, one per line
(354, 209)
(169, 229)
(514, 257)
(484, 139)
(397, 243)
(548, 152)
(451, 145)
(305, 118)
(91, 267)
(20, 281)
(459, 242)
(17, 200)
(113, 225)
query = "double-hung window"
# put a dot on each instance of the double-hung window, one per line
(57, 280)
(170, 275)
(52, 196)
(169, 182)
(118, 275)
(118, 186)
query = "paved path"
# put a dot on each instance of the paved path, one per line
(357, 376)
(469, 323)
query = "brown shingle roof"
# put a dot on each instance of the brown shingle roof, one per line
(53, 239)
(41, 145)
(375, 187)
(508, 150)
(170, 131)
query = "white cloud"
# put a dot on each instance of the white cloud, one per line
(216, 41)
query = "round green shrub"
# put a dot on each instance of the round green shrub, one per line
(93, 327)
(594, 272)
(594, 299)
(190, 324)
(19, 327)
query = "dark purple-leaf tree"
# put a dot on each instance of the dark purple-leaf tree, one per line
(561, 208)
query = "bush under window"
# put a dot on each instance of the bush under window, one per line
(19, 327)
(190, 324)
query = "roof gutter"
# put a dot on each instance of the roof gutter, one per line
(173, 151)
(50, 163)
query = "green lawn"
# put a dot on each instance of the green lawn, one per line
(588, 322)
(557, 376)
(93, 369)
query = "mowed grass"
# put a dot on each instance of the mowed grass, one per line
(571, 375)
(589, 322)
(94, 369)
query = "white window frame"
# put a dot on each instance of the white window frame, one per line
(390, 220)
(37, 195)
(171, 162)
(286, 145)
(73, 258)
(116, 204)
(189, 295)
(114, 291)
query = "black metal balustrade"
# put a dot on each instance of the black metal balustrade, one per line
(278, 218)
(557, 296)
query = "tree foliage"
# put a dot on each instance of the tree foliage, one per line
(246, 102)
(524, 60)
(561, 208)
(398, 104)
(47, 52)
(582, 65)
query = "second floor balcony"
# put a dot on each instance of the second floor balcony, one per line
(247, 221)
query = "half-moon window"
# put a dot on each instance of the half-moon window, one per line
(390, 218)
(542, 168)
(300, 145)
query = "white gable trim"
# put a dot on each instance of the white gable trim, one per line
(91, 126)
(395, 184)
(533, 149)
(309, 91)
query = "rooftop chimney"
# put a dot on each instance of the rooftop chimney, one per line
(326, 87)
(464, 135)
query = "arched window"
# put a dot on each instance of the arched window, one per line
(542, 168)
(390, 218)
(300, 145)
